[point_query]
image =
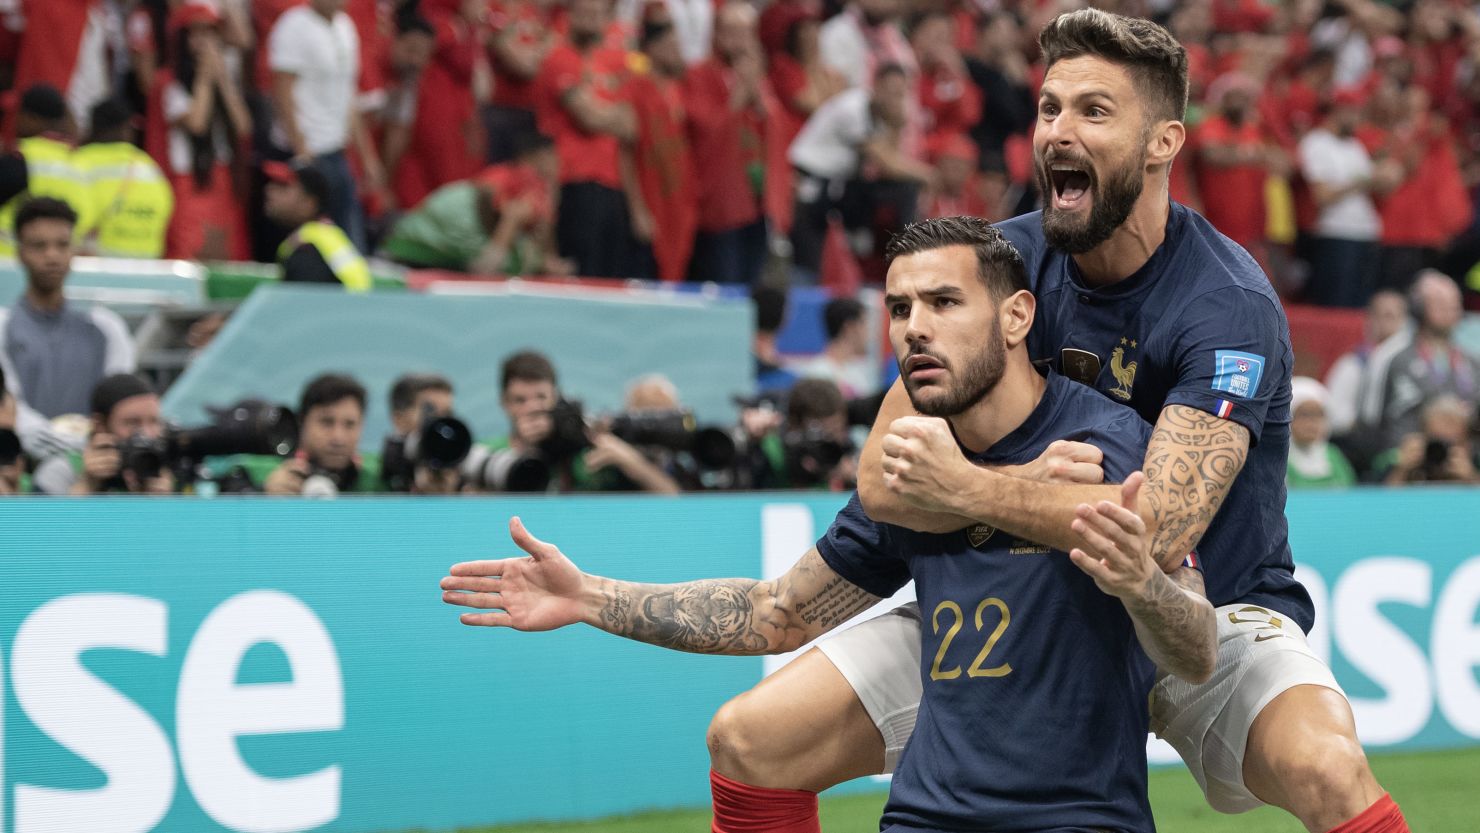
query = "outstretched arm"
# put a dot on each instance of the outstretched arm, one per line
(545, 590)
(1173, 618)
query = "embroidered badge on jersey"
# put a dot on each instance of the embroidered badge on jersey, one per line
(1237, 373)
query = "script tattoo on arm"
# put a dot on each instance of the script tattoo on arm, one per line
(734, 616)
(1175, 624)
(1191, 463)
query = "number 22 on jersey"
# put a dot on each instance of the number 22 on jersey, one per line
(954, 628)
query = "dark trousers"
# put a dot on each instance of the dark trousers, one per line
(344, 199)
(594, 231)
(1343, 273)
(733, 256)
(507, 128)
(1401, 263)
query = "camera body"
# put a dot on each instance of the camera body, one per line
(440, 443)
(246, 428)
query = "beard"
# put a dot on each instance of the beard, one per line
(1114, 199)
(974, 379)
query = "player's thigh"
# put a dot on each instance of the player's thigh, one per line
(839, 711)
(1304, 755)
(1261, 656)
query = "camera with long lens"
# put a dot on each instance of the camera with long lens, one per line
(812, 454)
(441, 443)
(677, 430)
(506, 470)
(245, 428)
(567, 436)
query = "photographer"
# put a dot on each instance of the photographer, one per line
(332, 415)
(1440, 453)
(126, 422)
(810, 449)
(543, 425)
(416, 399)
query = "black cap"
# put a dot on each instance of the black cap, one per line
(310, 178)
(44, 101)
(110, 113)
(116, 388)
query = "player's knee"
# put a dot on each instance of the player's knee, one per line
(732, 739)
(1325, 769)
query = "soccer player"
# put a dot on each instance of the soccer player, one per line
(1033, 715)
(1145, 301)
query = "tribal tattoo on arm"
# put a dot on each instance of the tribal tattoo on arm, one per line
(1191, 463)
(1175, 624)
(734, 616)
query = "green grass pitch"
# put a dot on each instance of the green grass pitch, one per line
(1439, 793)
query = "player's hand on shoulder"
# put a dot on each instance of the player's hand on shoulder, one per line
(1116, 551)
(539, 592)
(923, 463)
(1065, 461)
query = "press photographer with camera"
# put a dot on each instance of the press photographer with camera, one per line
(331, 416)
(807, 448)
(125, 417)
(1440, 452)
(545, 428)
(428, 445)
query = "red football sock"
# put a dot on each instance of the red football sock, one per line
(1382, 817)
(741, 808)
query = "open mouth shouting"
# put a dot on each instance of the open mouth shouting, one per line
(1071, 183)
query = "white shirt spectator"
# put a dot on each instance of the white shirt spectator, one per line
(693, 22)
(828, 144)
(1337, 163)
(857, 378)
(855, 51)
(325, 56)
(90, 83)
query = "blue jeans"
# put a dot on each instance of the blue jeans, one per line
(344, 199)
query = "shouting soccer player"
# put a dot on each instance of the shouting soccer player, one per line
(1145, 301)
(1037, 670)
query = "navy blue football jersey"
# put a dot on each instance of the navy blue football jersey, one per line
(1197, 325)
(1034, 713)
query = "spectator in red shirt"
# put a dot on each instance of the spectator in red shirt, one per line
(955, 191)
(407, 58)
(660, 189)
(951, 100)
(1232, 162)
(447, 141)
(581, 100)
(800, 82)
(523, 34)
(726, 99)
(64, 44)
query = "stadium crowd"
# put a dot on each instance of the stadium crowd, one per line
(762, 144)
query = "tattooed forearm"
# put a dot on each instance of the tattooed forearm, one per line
(1174, 623)
(733, 616)
(1191, 463)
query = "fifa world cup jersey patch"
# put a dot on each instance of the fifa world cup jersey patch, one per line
(1237, 373)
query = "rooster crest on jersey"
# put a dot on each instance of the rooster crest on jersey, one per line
(1125, 374)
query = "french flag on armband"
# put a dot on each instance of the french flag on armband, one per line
(1192, 561)
(1225, 409)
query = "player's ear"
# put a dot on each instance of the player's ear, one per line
(1164, 141)
(1016, 313)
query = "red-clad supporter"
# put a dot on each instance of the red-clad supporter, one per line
(950, 99)
(64, 43)
(265, 14)
(208, 121)
(447, 141)
(407, 58)
(581, 100)
(1232, 162)
(800, 81)
(1440, 36)
(956, 190)
(966, 22)
(374, 44)
(523, 34)
(661, 196)
(726, 100)
(1429, 206)
(865, 36)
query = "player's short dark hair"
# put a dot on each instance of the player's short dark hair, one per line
(411, 385)
(998, 264)
(813, 399)
(43, 208)
(839, 313)
(1157, 62)
(770, 308)
(526, 366)
(328, 389)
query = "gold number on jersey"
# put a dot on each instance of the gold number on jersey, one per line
(959, 619)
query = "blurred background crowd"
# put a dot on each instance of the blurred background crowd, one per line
(765, 145)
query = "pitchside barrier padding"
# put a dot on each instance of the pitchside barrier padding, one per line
(283, 665)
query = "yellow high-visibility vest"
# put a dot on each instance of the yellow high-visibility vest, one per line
(129, 197)
(336, 250)
(49, 173)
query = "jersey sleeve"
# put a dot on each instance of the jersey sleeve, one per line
(859, 549)
(1231, 357)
